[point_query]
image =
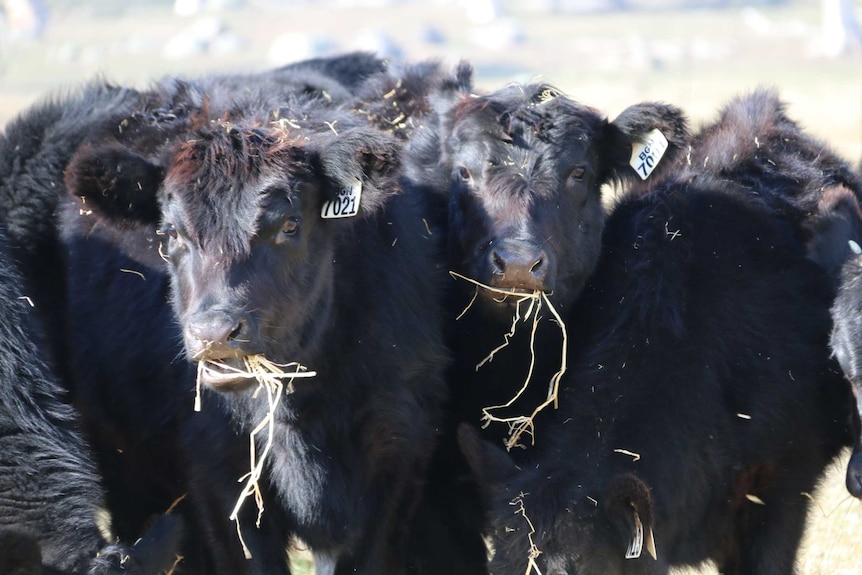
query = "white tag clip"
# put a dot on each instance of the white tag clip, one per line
(637, 543)
(346, 205)
(646, 154)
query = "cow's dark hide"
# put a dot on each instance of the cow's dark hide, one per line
(140, 437)
(700, 399)
(253, 268)
(52, 497)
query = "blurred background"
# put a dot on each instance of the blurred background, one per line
(606, 53)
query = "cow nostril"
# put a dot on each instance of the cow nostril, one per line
(499, 263)
(538, 266)
(212, 330)
(854, 474)
(236, 333)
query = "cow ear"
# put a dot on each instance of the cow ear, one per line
(629, 506)
(453, 87)
(834, 229)
(115, 182)
(366, 163)
(644, 142)
(490, 465)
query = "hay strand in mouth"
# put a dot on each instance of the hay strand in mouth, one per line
(270, 377)
(519, 425)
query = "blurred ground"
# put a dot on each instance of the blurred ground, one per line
(697, 59)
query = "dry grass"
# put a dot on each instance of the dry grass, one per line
(521, 424)
(271, 380)
(518, 503)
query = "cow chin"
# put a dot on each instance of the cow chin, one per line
(228, 375)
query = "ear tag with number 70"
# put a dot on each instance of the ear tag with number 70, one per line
(345, 205)
(647, 153)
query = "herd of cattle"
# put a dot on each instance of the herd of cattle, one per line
(500, 360)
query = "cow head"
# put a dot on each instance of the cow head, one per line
(835, 234)
(836, 223)
(542, 520)
(845, 342)
(242, 216)
(527, 165)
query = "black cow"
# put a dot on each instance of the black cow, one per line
(36, 146)
(34, 150)
(255, 269)
(518, 176)
(838, 233)
(700, 407)
(335, 78)
(52, 498)
(845, 342)
(488, 164)
(804, 180)
(447, 118)
(135, 434)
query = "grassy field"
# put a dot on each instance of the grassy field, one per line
(696, 59)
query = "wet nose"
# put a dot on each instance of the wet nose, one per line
(521, 265)
(215, 335)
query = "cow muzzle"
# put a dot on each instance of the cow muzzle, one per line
(520, 265)
(221, 339)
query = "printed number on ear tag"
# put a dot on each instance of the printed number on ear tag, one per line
(345, 205)
(646, 154)
(641, 541)
(637, 543)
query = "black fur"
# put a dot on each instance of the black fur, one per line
(700, 392)
(135, 411)
(756, 144)
(353, 299)
(496, 170)
(519, 199)
(51, 491)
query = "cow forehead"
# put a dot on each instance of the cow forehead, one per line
(538, 115)
(528, 141)
(219, 191)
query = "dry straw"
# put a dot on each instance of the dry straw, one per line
(270, 378)
(518, 503)
(521, 424)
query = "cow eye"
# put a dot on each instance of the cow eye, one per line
(169, 230)
(577, 173)
(290, 227)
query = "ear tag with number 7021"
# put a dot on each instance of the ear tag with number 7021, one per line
(345, 205)
(647, 153)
